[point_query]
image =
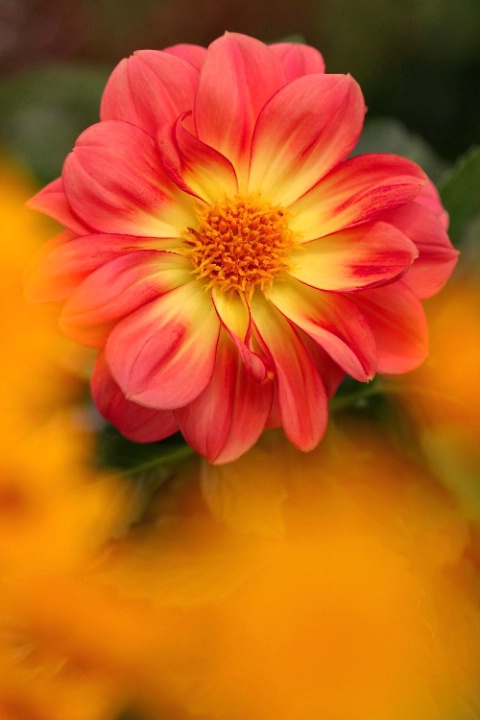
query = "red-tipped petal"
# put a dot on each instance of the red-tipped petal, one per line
(118, 288)
(307, 127)
(298, 59)
(238, 76)
(228, 417)
(363, 256)
(333, 321)
(163, 355)
(52, 201)
(136, 422)
(149, 89)
(301, 393)
(115, 182)
(357, 190)
(195, 167)
(399, 327)
(437, 257)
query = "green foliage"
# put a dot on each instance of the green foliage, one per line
(116, 452)
(44, 111)
(460, 193)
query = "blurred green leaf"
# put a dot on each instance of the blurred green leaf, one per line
(43, 112)
(460, 193)
(390, 136)
(130, 715)
(293, 38)
(116, 452)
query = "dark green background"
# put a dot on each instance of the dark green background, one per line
(417, 61)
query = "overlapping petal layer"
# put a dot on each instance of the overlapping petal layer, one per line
(398, 324)
(239, 75)
(303, 412)
(230, 414)
(357, 258)
(149, 89)
(118, 288)
(171, 337)
(303, 131)
(115, 181)
(136, 422)
(334, 322)
(223, 254)
(357, 190)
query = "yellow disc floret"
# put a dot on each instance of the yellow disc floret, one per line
(239, 244)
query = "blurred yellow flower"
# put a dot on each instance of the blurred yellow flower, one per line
(56, 510)
(442, 397)
(34, 379)
(365, 605)
(445, 390)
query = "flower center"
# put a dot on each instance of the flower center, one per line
(239, 244)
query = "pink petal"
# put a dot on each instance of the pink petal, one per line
(298, 59)
(115, 182)
(238, 76)
(301, 393)
(118, 288)
(399, 327)
(194, 54)
(333, 321)
(150, 89)
(437, 257)
(195, 167)
(136, 422)
(363, 256)
(357, 190)
(52, 201)
(234, 314)
(163, 355)
(228, 417)
(308, 127)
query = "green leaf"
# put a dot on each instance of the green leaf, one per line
(115, 452)
(44, 111)
(460, 193)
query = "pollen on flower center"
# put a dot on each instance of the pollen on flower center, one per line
(240, 243)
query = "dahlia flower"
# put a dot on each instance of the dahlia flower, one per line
(225, 255)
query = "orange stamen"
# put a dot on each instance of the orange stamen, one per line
(240, 244)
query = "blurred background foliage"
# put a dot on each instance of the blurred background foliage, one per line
(417, 61)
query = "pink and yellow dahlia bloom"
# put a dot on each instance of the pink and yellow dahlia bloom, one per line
(225, 255)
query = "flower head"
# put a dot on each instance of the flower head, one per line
(224, 254)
